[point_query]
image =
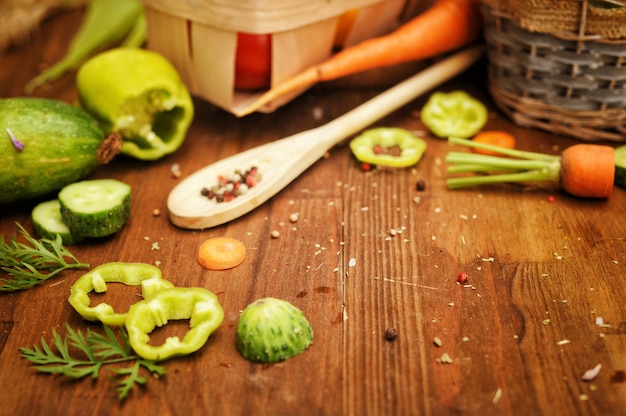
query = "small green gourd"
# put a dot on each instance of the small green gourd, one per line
(46, 144)
(270, 330)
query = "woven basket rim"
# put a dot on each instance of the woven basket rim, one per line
(563, 19)
(559, 84)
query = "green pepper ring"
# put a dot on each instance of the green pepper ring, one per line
(131, 274)
(412, 148)
(454, 114)
(199, 305)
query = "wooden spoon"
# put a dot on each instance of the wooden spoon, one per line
(281, 161)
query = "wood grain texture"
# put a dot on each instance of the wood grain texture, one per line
(369, 252)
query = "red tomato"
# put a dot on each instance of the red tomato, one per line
(253, 61)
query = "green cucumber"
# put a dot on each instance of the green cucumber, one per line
(61, 144)
(95, 208)
(271, 330)
(48, 222)
(620, 166)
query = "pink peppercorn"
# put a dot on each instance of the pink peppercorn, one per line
(366, 167)
(462, 278)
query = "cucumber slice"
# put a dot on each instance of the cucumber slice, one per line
(48, 223)
(620, 166)
(95, 208)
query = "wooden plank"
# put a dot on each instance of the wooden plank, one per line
(528, 260)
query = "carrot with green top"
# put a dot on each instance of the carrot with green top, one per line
(583, 170)
(445, 26)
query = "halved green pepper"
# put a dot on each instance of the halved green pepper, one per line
(140, 95)
(200, 306)
(374, 146)
(453, 114)
(131, 274)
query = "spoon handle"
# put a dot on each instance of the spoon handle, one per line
(397, 96)
(281, 161)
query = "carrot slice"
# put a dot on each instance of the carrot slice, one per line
(221, 253)
(494, 138)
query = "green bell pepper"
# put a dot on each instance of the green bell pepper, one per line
(200, 306)
(388, 146)
(131, 274)
(454, 114)
(139, 94)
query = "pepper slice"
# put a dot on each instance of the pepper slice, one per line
(454, 114)
(200, 306)
(131, 274)
(140, 95)
(374, 146)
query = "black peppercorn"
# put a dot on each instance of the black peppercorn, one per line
(391, 334)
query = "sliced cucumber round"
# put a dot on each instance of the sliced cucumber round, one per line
(48, 222)
(271, 330)
(95, 208)
(620, 166)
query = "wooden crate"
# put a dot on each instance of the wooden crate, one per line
(199, 37)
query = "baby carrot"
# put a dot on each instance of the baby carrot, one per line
(583, 170)
(496, 138)
(445, 26)
(221, 253)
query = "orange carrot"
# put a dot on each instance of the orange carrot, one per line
(496, 138)
(221, 253)
(583, 170)
(445, 26)
(588, 170)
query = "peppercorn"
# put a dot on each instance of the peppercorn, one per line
(420, 185)
(391, 334)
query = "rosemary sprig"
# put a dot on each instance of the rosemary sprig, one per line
(96, 351)
(29, 265)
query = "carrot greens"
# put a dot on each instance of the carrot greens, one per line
(520, 166)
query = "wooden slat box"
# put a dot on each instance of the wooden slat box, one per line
(199, 37)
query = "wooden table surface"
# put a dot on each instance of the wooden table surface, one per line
(368, 253)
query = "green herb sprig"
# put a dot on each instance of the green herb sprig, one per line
(79, 354)
(29, 265)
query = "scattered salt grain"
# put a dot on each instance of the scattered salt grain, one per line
(496, 397)
(445, 359)
(318, 113)
(592, 373)
(175, 170)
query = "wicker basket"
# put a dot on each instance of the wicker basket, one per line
(199, 37)
(559, 65)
